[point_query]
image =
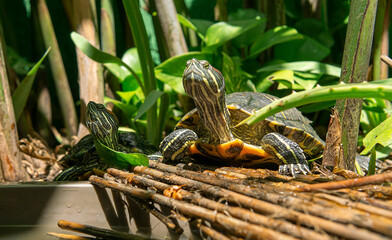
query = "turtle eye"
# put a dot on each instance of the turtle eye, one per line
(206, 65)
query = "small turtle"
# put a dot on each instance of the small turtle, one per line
(286, 138)
(103, 126)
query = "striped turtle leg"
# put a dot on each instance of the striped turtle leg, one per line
(176, 145)
(291, 157)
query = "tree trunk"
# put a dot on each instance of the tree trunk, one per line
(90, 72)
(11, 169)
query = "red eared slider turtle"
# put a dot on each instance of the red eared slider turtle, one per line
(103, 126)
(285, 138)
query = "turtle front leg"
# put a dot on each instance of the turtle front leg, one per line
(291, 157)
(176, 145)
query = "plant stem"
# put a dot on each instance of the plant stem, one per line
(143, 48)
(320, 94)
(59, 75)
(10, 160)
(90, 72)
(356, 55)
(172, 32)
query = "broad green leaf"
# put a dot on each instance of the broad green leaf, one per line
(221, 32)
(131, 58)
(22, 92)
(171, 70)
(306, 49)
(119, 159)
(235, 78)
(175, 82)
(113, 63)
(304, 66)
(126, 96)
(251, 35)
(149, 101)
(272, 37)
(382, 134)
(126, 109)
(315, 29)
(314, 107)
(201, 25)
(306, 80)
(282, 75)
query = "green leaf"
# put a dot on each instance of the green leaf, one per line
(131, 58)
(113, 63)
(149, 101)
(22, 92)
(306, 49)
(186, 23)
(202, 26)
(314, 107)
(382, 134)
(171, 70)
(272, 37)
(251, 35)
(305, 66)
(119, 159)
(126, 96)
(235, 78)
(127, 109)
(221, 32)
(306, 80)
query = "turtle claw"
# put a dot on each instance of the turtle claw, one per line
(292, 169)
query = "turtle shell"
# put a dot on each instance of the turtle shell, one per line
(290, 123)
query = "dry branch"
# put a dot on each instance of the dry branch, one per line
(356, 182)
(230, 224)
(95, 231)
(240, 213)
(68, 236)
(349, 232)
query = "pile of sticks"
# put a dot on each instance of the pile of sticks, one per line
(232, 203)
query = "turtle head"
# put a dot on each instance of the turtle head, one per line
(206, 85)
(102, 124)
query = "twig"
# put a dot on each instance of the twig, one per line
(68, 236)
(213, 234)
(230, 224)
(350, 232)
(356, 182)
(240, 213)
(160, 216)
(95, 231)
(387, 60)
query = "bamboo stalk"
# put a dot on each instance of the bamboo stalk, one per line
(90, 72)
(10, 158)
(355, 63)
(139, 35)
(172, 31)
(240, 213)
(230, 224)
(96, 231)
(59, 75)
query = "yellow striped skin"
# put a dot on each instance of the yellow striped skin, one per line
(102, 124)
